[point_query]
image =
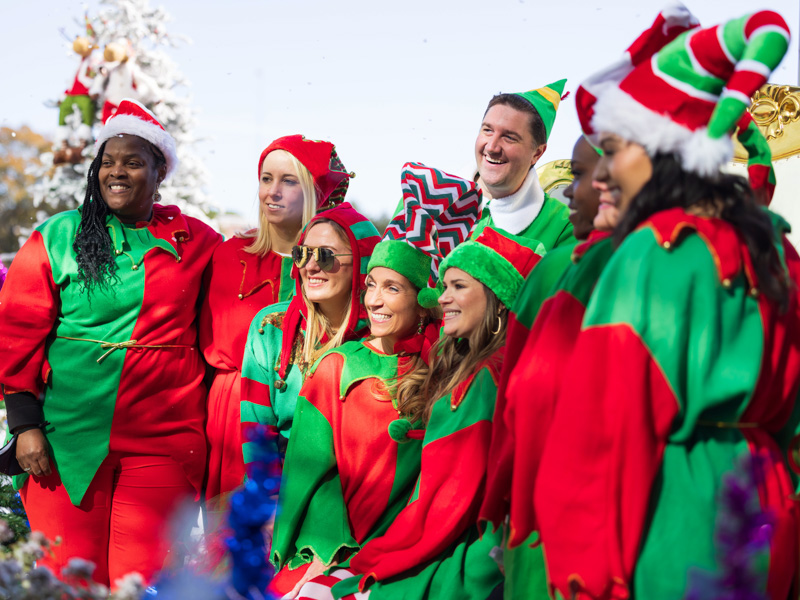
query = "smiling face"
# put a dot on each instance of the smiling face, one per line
(280, 193)
(505, 150)
(620, 175)
(331, 289)
(463, 302)
(128, 177)
(391, 302)
(583, 197)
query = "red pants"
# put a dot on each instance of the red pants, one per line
(124, 522)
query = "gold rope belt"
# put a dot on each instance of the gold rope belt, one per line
(111, 346)
(727, 425)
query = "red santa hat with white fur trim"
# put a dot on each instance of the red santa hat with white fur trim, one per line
(685, 96)
(132, 118)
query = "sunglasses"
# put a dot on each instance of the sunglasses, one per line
(324, 257)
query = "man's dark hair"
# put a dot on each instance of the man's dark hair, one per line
(515, 101)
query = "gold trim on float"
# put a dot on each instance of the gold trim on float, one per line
(555, 174)
(776, 111)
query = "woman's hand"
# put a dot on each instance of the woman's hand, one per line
(317, 567)
(32, 452)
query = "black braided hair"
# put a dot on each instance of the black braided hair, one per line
(92, 245)
(673, 186)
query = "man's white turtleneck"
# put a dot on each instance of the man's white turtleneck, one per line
(516, 212)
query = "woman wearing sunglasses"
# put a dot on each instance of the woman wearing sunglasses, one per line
(285, 339)
(353, 458)
(297, 178)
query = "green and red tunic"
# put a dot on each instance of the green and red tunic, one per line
(432, 549)
(685, 366)
(120, 367)
(345, 479)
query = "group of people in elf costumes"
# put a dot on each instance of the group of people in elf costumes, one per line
(493, 399)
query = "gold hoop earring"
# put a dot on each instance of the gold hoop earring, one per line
(499, 326)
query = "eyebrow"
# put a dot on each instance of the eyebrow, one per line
(457, 281)
(126, 156)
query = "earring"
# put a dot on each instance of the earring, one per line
(499, 324)
(156, 195)
(421, 327)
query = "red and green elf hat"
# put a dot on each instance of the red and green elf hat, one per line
(546, 100)
(688, 96)
(319, 157)
(759, 159)
(500, 261)
(438, 213)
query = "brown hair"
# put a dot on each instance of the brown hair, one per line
(456, 359)
(538, 130)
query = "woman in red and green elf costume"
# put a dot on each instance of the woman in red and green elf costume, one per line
(287, 338)
(433, 548)
(688, 349)
(297, 178)
(98, 314)
(353, 458)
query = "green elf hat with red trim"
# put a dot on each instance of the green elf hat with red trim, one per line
(500, 261)
(438, 213)
(320, 158)
(688, 96)
(546, 100)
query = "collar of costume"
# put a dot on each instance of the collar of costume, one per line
(418, 343)
(516, 212)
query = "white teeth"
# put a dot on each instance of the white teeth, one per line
(380, 318)
(315, 280)
(451, 313)
(118, 187)
(494, 162)
(273, 206)
(572, 211)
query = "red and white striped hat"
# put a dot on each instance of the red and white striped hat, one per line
(681, 89)
(134, 119)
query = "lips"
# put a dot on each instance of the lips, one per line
(379, 318)
(316, 282)
(118, 188)
(451, 314)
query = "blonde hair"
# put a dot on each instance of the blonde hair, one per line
(318, 325)
(262, 243)
(408, 391)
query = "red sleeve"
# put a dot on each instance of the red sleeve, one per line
(29, 304)
(449, 497)
(498, 481)
(602, 455)
(536, 379)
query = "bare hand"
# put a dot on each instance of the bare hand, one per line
(32, 452)
(317, 567)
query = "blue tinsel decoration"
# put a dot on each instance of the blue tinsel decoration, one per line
(252, 506)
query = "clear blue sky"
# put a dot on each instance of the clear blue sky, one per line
(387, 82)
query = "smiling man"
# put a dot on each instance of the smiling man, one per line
(512, 138)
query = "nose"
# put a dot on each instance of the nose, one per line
(445, 298)
(492, 145)
(569, 192)
(312, 266)
(372, 299)
(600, 174)
(273, 190)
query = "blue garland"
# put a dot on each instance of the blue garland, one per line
(252, 506)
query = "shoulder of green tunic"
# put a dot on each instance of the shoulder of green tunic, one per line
(539, 284)
(271, 315)
(472, 401)
(679, 283)
(588, 261)
(360, 363)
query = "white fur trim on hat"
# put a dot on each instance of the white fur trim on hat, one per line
(128, 124)
(617, 112)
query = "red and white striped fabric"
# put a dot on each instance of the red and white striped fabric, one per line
(319, 588)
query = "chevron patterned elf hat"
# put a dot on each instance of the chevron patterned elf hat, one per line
(438, 213)
(132, 118)
(546, 100)
(500, 261)
(685, 96)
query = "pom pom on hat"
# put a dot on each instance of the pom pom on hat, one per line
(132, 118)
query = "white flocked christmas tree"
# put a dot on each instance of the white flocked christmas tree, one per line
(143, 30)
